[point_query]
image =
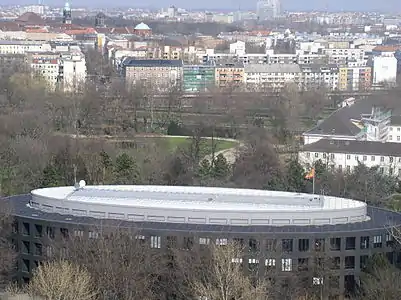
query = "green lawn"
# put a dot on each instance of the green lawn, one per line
(173, 143)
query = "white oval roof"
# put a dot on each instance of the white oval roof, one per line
(204, 205)
(142, 26)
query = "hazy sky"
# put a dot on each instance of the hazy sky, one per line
(365, 5)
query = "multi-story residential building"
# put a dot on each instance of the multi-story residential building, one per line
(316, 76)
(346, 155)
(64, 70)
(156, 73)
(22, 47)
(46, 65)
(343, 55)
(355, 78)
(268, 9)
(384, 69)
(229, 74)
(72, 70)
(271, 76)
(198, 78)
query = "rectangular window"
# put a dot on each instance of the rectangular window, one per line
(307, 154)
(26, 229)
(372, 158)
(286, 264)
(303, 264)
(350, 262)
(78, 233)
(364, 242)
(303, 245)
(365, 158)
(350, 243)
(316, 155)
(38, 230)
(50, 231)
(377, 241)
(271, 245)
(221, 242)
(382, 158)
(331, 156)
(188, 243)
(253, 245)
(363, 261)
(335, 244)
(155, 242)
(270, 263)
(348, 156)
(93, 234)
(38, 249)
(389, 240)
(171, 242)
(286, 245)
(204, 241)
(319, 245)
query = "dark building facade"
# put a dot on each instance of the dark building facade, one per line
(283, 250)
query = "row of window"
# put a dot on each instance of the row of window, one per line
(285, 245)
(391, 159)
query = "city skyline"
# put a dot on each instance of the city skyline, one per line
(292, 5)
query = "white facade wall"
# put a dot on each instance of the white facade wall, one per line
(22, 48)
(74, 71)
(384, 69)
(237, 48)
(394, 134)
(348, 161)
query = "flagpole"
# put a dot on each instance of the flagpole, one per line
(313, 182)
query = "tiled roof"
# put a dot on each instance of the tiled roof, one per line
(355, 147)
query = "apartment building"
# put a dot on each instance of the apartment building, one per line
(345, 155)
(158, 74)
(358, 78)
(198, 78)
(64, 70)
(341, 56)
(229, 74)
(316, 76)
(22, 47)
(384, 69)
(271, 76)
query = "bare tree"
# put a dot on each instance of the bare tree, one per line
(218, 273)
(121, 262)
(7, 252)
(61, 280)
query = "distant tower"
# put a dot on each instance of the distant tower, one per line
(67, 13)
(100, 20)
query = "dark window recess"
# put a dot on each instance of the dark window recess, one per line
(50, 231)
(286, 245)
(188, 243)
(319, 263)
(171, 242)
(26, 247)
(350, 262)
(271, 245)
(335, 263)
(253, 245)
(25, 279)
(239, 242)
(390, 257)
(335, 244)
(25, 265)
(364, 242)
(64, 232)
(38, 249)
(350, 243)
(38, 230)
(363, 261)
(303, 264)
(36, 263)
(26, 230)
(334, 282)
(15, 227)
(319, 245)
(303, 245)
(390, 240)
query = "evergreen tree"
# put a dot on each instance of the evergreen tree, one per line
(220, 168)
(295, 177)
(125, 170)
(51, 176)
(204, 170)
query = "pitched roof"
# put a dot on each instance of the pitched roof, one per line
(29, 18)
(341, 122)
(132, 62)
(354, 147)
